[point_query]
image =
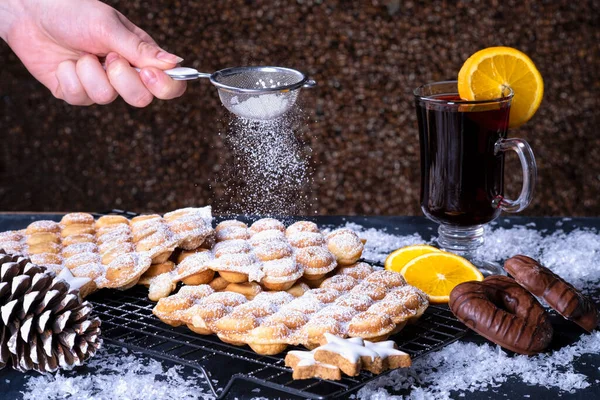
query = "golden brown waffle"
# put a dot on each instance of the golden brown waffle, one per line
(192, 269)
(346, 246)
(113, 251)
(370, 305)
(277, 257)
(265, 255)
(260, 253)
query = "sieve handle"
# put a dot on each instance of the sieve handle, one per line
(185, 74)
(309, 84)
(180, 73)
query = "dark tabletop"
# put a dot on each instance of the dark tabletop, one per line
(12, 382)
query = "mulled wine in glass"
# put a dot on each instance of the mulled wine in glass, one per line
(462, 166)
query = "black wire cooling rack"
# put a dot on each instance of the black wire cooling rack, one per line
(127, 320)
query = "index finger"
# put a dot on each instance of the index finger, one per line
(161, 85)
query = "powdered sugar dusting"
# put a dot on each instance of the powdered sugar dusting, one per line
(266, 236)
(306, 239)
(282, 268)
(44, 226)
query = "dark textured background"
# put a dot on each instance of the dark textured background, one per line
(360, 123)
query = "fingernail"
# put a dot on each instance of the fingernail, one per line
(148, 77)
(168, 57)
(110, 57)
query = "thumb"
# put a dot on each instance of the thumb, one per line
(138, 51)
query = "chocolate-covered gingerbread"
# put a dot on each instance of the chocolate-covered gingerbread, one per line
(559, 295)
(503, 312)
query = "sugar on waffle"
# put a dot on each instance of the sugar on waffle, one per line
(269, 253)
(264, 255)
(356, 302)
(113, 251)
(191, 269)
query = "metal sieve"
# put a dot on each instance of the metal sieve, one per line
(257, 93)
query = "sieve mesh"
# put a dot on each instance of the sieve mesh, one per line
(258, 107)
(258, 78)
(259, 93)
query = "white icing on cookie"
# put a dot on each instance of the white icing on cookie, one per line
(385, 349)
(351, 349)
(307, 358)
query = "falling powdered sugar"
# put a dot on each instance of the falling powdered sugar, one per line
(270, 174)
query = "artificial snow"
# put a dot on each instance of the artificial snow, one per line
(469, 367)
(115, 373)
(575, 256)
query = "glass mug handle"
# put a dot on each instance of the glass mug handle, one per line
(529, 166)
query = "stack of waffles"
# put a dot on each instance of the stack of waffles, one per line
(264, 256)
(265, 285)
(357, 301)
(112, 251)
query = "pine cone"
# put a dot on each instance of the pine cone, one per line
(44, 324)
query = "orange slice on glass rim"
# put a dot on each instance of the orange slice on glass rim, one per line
(486, 74)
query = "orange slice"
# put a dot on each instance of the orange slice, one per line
(486, 74)
(438, 273)
(399, 258)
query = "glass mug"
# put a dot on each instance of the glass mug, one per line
(462, 164)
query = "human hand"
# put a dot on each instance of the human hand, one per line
(60, 42)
